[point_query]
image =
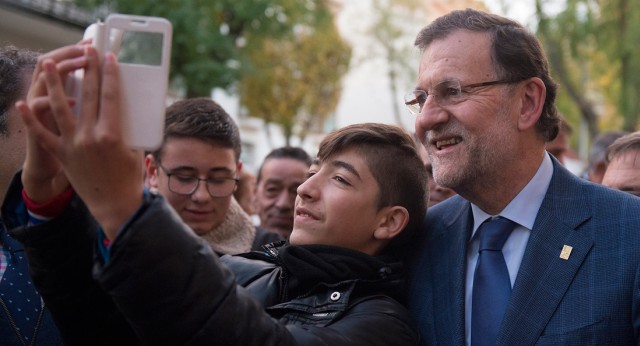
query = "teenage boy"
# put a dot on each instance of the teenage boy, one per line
(197, 168)
(333, 283)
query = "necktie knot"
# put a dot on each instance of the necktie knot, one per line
(494, 233)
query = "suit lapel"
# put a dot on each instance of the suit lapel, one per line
(544, 277)
(450, 244)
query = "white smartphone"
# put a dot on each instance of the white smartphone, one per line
(143, 49)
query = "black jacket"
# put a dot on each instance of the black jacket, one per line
(173, 290)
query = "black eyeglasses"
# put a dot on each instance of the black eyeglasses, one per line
(447, 93)
(183, 184)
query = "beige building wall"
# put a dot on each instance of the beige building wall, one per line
(35, 30)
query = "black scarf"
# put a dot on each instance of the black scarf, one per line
(308, 265)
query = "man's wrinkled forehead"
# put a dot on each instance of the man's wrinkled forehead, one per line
(456, 56)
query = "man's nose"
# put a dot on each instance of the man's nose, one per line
(431, 115)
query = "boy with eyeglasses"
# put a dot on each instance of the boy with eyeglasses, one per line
(333, 283)
(196, 169)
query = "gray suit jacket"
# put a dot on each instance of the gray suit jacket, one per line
(592, 298)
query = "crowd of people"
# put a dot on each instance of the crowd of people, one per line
(468, 231)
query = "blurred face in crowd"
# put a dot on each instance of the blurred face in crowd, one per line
(337, 204)
(597, 172)
(244, 194)
(559, 146)
(184, 160)
(276, 193)
(623, 172)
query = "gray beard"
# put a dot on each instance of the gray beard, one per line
(479, 166)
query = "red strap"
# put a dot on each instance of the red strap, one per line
(51, 208)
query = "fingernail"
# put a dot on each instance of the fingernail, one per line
(49, 66)
(109, 58)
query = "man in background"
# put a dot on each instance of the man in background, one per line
(561, 149)
(282, 171)
(597, 155)
(559, 146)
(244, 192)
(623, 164)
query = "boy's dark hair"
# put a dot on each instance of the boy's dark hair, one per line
(14, 64)
(390, 154)
(201, 118)
(293, 153)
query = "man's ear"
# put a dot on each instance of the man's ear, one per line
(533, 96)
(392, 220)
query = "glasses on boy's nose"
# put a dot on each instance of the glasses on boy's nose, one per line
(447, 93)
(183, 184)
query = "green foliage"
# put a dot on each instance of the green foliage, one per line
(295, 80)
(599, 60)
(287, 54)
(208, 35)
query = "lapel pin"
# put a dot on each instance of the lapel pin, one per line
(566, 252)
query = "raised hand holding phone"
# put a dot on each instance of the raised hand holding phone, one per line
(142, 46)
(104, 171)
(42, 176)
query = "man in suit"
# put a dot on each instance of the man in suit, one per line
(484, 102)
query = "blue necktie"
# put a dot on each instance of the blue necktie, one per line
(491, 284)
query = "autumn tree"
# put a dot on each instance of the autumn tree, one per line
(393, 43)
(593, 50)
(569, 68)
(295, 81)
(617, 32)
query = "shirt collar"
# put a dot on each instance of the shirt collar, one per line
(523, 209)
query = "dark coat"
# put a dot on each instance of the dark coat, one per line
(173, 290)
